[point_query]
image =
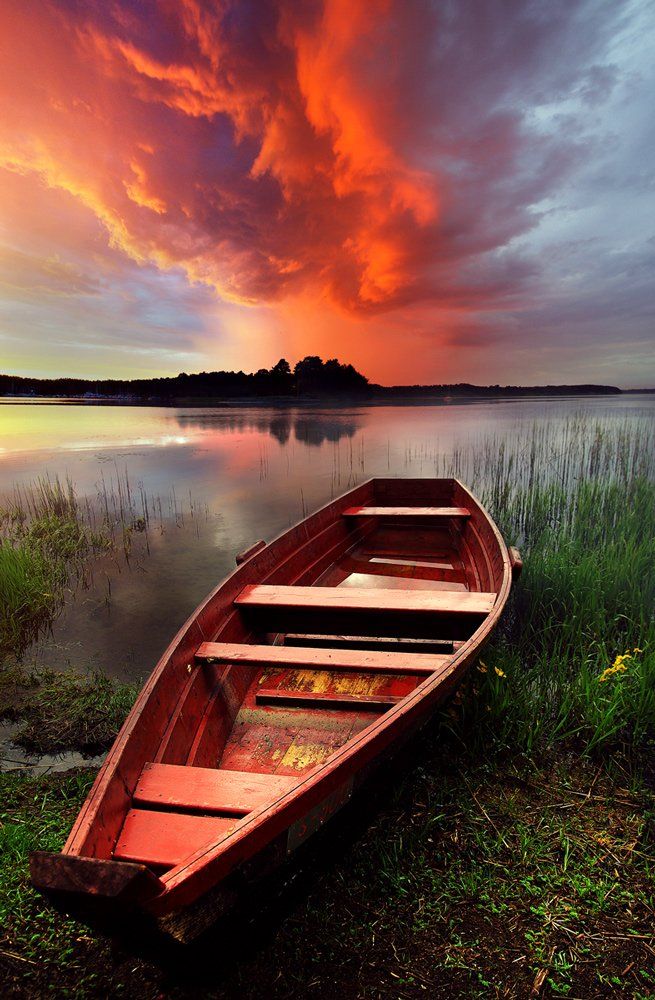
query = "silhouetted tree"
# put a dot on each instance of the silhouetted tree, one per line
(307, 374)
(313, 375)
(281, 378)
(281, 368)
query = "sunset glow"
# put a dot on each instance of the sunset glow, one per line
(431, 192)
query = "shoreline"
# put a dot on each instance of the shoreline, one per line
(309, 402)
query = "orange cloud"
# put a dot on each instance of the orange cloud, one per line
(304, 190)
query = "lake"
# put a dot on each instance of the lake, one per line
(215, 480)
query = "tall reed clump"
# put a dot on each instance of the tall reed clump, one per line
(44, 542)
(575, 656)
(48, 536)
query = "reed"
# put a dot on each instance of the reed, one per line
(44, 542)
(575, 656)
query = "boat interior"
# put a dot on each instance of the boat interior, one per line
(308, 643)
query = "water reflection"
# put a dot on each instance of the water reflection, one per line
(309, 428)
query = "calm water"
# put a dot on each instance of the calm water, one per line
(227, 477)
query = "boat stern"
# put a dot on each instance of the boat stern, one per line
(85, 886)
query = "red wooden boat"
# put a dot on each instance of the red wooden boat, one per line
(304, 669)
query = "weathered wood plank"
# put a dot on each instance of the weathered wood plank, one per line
(164, 839)
(374, 661)
(408, 561)
(432, 512)
(206, 789)
(385, 573)
(313, 699)
(364, 599)
(111, 879)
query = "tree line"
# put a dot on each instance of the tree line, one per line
(311, 377)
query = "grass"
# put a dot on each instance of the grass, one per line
(477, 878)
(36, 813)
(575, 657)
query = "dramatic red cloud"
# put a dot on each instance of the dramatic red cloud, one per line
(362, 160)
(242, 144)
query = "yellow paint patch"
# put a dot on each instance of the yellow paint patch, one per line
(303, 755)
(317, 681)
(270, 673)
(322, 681)
(355, 684)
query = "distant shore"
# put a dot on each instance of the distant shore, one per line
(291, 402)
(391, 398)
(312, 381)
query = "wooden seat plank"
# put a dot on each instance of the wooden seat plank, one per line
(366, 599)
(163, 839)
(338, 702)
(206, 789)
(323, 659)
(432, 512)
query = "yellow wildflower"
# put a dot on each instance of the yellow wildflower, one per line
(619, 666)
(482, 667)
(637, 650)
(501, 673)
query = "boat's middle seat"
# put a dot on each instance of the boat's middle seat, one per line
(439, 513)
(204, 789)
(354, 599)
(442, 614)
(370, 661)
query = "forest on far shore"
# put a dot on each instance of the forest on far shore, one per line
(311, 377)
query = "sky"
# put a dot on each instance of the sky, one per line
(448, 191)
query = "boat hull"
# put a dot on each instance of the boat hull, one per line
(316, 660)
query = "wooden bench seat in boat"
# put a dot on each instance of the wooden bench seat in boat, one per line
(432, 512)
(365, 599)
(169, 818)
(378, 642)
(162, 839)
(373, 661)
(442, 614)
(206, 789)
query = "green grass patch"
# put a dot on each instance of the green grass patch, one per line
(36, 942)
